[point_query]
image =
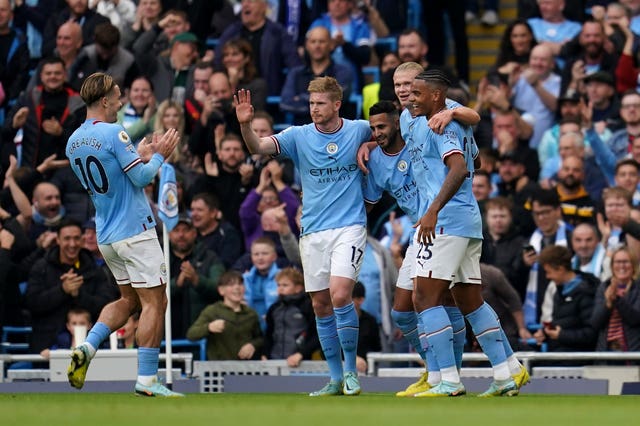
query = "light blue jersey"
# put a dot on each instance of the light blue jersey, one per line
(406, 119)
(109, 168)
(392, 173)
(331, 180)
(461, 215)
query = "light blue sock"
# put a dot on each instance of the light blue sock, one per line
(437, 328)
(328, 336)
(487, 330)
(348, 328)
(99, 332)
(148, 361)
(407, 322)
(459, 332)
(508, 350)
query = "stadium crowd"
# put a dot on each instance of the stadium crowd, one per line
(559, 185)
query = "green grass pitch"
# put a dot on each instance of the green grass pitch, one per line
(86, 409)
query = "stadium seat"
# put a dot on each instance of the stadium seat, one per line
(7, 346)
(211, 43)
(201, 345)
(390, 44)
(371, 74)
(414, 13)
(356, 99)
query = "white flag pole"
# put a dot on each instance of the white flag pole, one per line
(167, 315)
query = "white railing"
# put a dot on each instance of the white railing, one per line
(527, 358)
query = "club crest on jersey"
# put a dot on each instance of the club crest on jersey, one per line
(332, 148)
(123, 136)
(402, 166)
(163, 269)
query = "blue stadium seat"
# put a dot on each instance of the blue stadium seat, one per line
(373, 73)
(7, 346)
(414, 13)
(211, 43)
(201, 345)
(389, 43)
(356, 99)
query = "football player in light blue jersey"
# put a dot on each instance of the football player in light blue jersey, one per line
(449, 239)
(103, 158)
(403, 312)
(333, 234)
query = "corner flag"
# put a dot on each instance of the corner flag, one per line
(168, 197)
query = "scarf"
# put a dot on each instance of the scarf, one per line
(530, 307)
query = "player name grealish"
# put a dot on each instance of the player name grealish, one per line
(93, 143)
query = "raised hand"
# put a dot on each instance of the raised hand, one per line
(244, 109)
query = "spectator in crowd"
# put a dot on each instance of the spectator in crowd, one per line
(506, 133)
(550, 231)
(195, 271)
(616, 309)
(66, 338)
(552, 28)
(48, 115)
(590, 255)
(626, 71)
(493, 98)
(617, 213)
(231, 327)
(121, 13)
(68, 46)
(536, 91)
(238, 62)
(590, 55)
(318, 63)
(518, 187)
(228, 177)
(482, 188)
(601, 95)
(377, 90)
(270, 192)
(197, 96)
(260, 280)
(106, 55)
(276, 48)
(627, 176)
(159, 37)
(31, 17)
(296, 17)
(14, 57)
(171, 74)
(138, 115)
(577, 204)
(515, 47)
(214, 232)
(207, 18)
(147, 16)
(498, 292)
(65, 277)
(77, 11)
(47, 213)
(351, 37)
(291, 324)
(501, 244)
(369, 337)
(570, 328)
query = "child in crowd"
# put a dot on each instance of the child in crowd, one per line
(291, 324)
(76, 317)
(260, 280)
(231, 327)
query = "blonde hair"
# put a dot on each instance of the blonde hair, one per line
(177, 154)
(95, 87)
(632, 258)
(326, 85)
(409, 66)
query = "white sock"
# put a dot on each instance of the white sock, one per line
(501, 371)
(147, 380)
(434, 378)
(450, 374)
(514, 365)
(92, 351)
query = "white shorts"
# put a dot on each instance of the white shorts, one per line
(407, 271)
(136, 260)
(450, 258)
(334, 252)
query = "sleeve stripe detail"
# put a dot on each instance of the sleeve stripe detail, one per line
(453, 151)
(132, 165)
(277, 144)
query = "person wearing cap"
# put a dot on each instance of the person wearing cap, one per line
(568, 109)
(600, 88)
(517, 186)
(170, 75)
(586, 54)
(195, 271)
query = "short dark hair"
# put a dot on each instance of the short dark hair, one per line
(627, 162)
(67, 222)
(555, 256)
(383, 107)
(107, 35)
(546, 197)
(229, 277)
(435, 77)
(209, 199)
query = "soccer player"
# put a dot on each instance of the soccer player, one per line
(333, 234)
(449, 239)
(384, 174)
(114, 174)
